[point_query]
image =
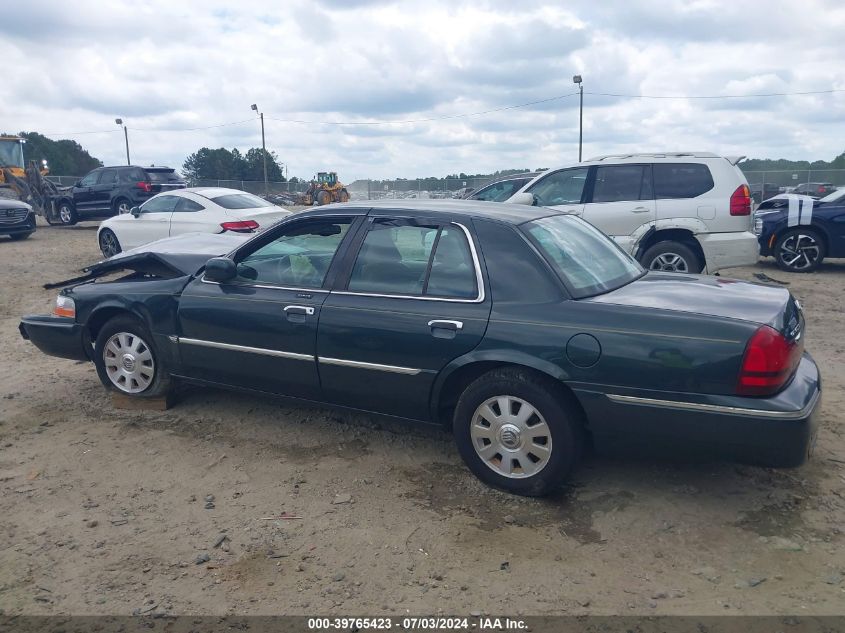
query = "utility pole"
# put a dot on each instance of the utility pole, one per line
(126, 137)
(263, 151)
(577, 80)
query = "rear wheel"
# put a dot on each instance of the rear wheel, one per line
(799, 251)
(673, 257)
(67, 214)
(517, 433)
(109, 243)
(126, 360)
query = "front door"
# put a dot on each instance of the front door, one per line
(259, 331)
(413, 301)
(620, 202)
(153, 222)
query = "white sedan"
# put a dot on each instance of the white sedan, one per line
(192, 210)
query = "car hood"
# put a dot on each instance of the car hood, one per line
(177, 256)
(703, 294)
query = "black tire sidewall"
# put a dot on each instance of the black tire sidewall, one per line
(161, 380)
(694, 265)
(562, 421)
(786, 235)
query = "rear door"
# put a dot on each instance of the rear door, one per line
(562, 190)
(412, 300)
(620, 201)
(259, 330)
(153, 223)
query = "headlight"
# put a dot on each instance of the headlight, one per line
(65, 307)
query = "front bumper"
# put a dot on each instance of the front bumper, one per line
(57, 336)
(27, 225)
(726, 250)
(776, 431)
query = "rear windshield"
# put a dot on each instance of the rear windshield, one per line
(587, 261)
(241, 201)
(164, 176)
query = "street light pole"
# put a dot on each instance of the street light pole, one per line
(577, 80)
(263, 151)
(126, 137)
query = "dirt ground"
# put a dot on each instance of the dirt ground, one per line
(104, 511)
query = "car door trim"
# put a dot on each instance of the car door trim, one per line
(393, 369)
(479, 279)
(245, 348)
(716, 408)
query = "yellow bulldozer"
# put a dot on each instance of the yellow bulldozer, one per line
(27, 183)
(324, 189)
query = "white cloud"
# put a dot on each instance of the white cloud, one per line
(166, 66)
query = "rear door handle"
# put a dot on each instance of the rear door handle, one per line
(303, 310)
(446, 325)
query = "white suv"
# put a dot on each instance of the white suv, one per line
(681, 212)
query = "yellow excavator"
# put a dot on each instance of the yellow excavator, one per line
(325, 189)
(27, 183)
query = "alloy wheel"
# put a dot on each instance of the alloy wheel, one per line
(129, 362)
(511, 437)
(670, 263)
(799, 251)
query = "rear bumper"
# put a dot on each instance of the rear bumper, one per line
(27, 225)
(56, 336)
(726, 250)
(778, 431)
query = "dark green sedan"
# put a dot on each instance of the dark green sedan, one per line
(527, 331)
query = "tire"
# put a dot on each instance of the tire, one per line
(121, 206)
(491, 447)
(144, 373)
(323, 197)
(67, 214)
(109, 244)
(670, 256)
(799, 251)
(17, 237)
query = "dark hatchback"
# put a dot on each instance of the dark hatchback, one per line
(526, 331)
(108, 191)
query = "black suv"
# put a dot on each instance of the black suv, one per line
(107, 191)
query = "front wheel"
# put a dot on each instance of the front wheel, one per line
(671, 257)
(799, 251)
(516, 432)
(126, 360)
(109, 243)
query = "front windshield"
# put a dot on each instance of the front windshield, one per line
(833, 197)
(587, 261)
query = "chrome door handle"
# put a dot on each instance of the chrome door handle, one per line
(446, 325)
(640, 210)
(307, 310)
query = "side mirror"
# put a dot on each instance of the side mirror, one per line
(220, 269)
(523, 198)
(135, 211)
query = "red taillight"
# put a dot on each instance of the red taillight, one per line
(741, 201)
(768, 363)
(144, 186)
(244, 226)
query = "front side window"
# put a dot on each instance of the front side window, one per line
(241, 201)
(586, 260)
(407, 259)
(617, 183)
(560, 187)
(300, 257)
(160, 204)
(681, 180)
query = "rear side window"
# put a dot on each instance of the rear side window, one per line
(163, 176)
(681, 180)
(241, 201)
(615, 183)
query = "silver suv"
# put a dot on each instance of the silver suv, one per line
(681, 212)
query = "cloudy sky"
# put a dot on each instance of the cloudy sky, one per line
(166, 67)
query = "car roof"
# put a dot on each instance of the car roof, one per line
(501, 211)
